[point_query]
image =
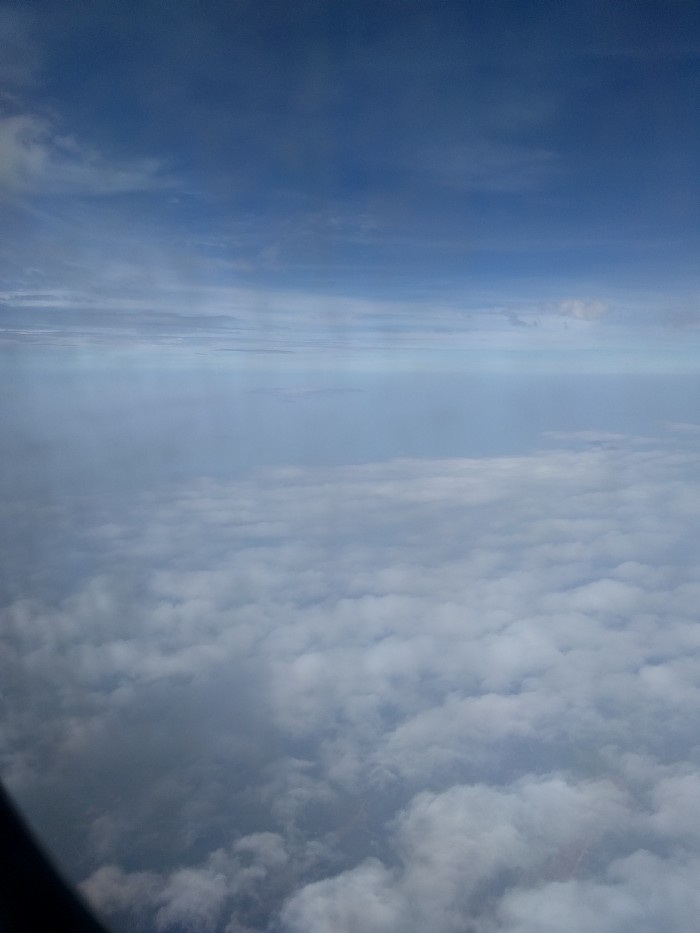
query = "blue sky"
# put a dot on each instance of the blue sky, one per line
(500, 178)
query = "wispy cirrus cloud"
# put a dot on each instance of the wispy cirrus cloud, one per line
(36, 159)
(488, 166)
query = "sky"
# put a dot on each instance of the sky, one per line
(403, 178)
(349, 446)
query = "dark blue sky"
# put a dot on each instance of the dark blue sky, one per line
(451, 168)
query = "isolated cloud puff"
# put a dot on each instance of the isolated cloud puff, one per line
(438, 694)
(583, 309)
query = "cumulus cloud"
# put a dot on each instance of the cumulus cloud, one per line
(459, 849)
(449, 695)
(642, 891)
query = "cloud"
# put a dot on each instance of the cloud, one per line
(460, 849)
(117, 303)
(642, 891)
(487, 166)
(583, 309)
(111, 889)
(418, 694)
(36, 160)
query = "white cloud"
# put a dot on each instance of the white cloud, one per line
(393, 696)
(35, 159)
(642, 892)
(457, 851)
(583, 309)
(192, 898)
(112, 889)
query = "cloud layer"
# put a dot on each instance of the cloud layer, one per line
(449, 695)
